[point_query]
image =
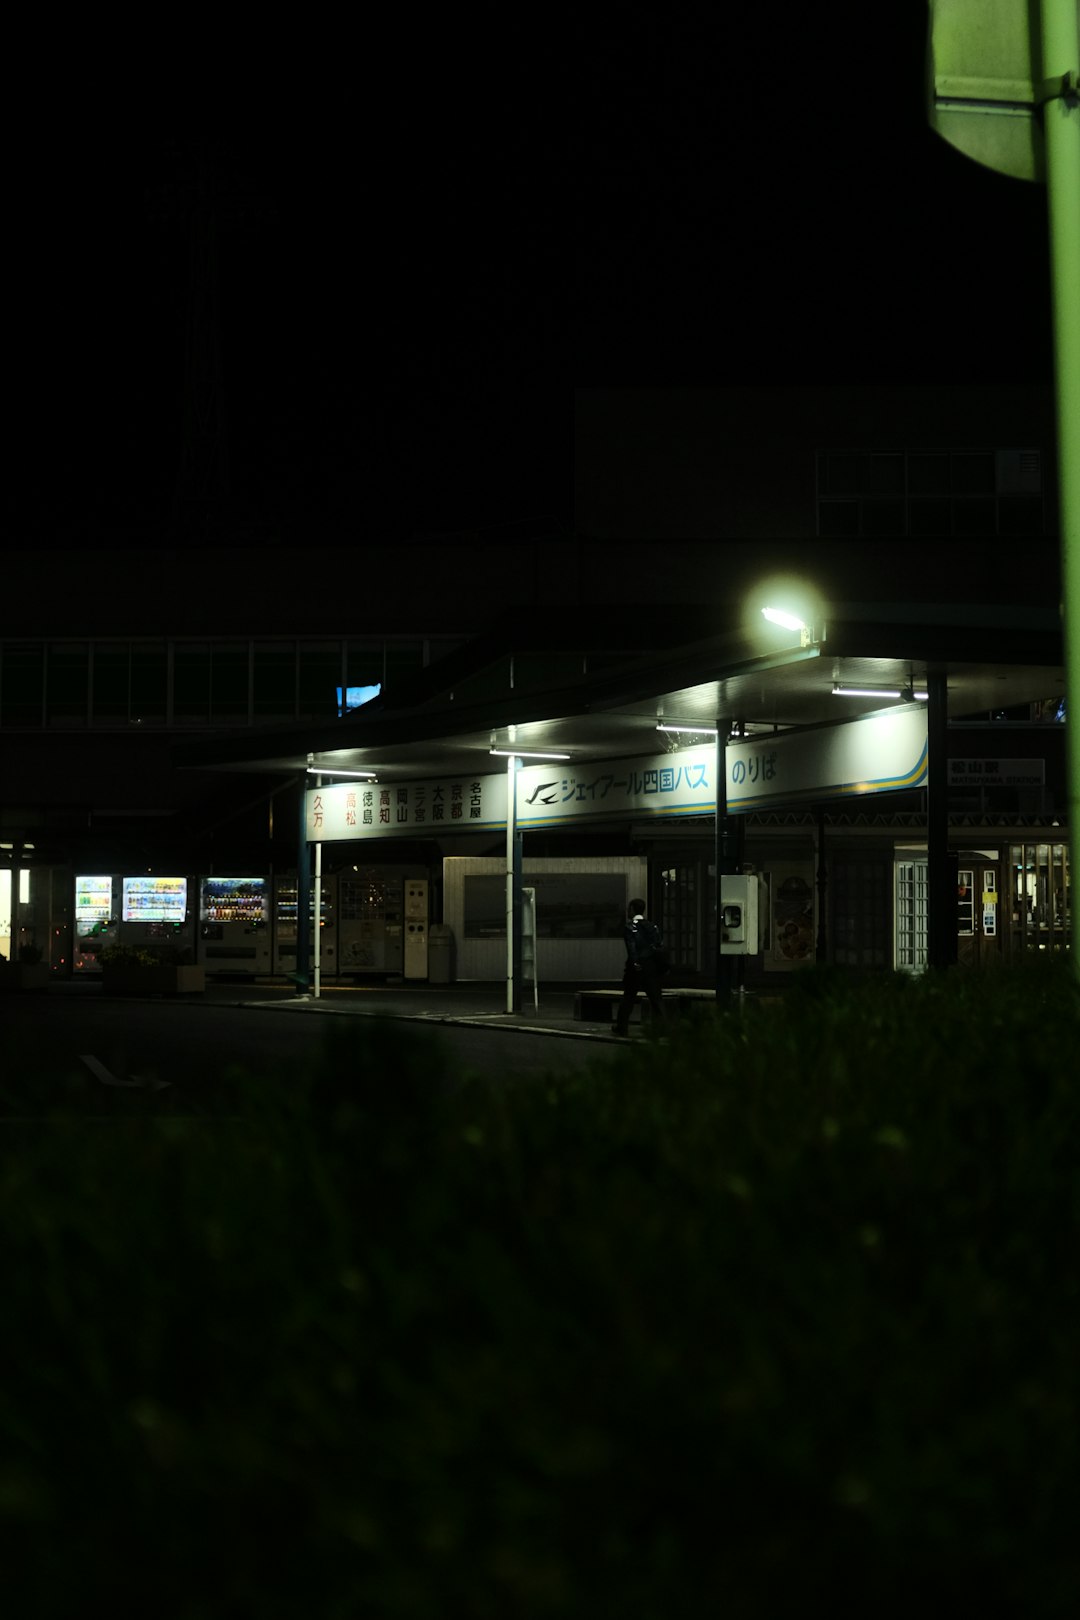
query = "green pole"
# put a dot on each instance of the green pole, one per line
(1061, 127)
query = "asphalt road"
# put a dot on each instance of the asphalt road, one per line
(96, 1044)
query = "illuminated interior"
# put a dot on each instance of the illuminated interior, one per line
(6, 949)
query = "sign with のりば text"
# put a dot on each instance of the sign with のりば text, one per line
(883, 752)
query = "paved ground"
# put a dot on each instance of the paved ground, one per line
(472, 1003)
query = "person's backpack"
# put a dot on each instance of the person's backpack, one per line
(653, 950)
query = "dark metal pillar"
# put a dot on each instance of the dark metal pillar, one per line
(821, 951)
(303, 895)
(727, 858)
(941, 870)
(518, 956)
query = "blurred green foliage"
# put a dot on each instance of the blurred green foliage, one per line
(780, 1314)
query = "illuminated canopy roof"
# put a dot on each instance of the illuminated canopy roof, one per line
(994, 659)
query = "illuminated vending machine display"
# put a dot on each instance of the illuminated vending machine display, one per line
(97, 920)
(154, 914)
(285, 926)
(234, 925)
(369, 923)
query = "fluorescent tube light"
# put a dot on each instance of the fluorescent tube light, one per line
(867, 691)
(699, 731)
(524, 753)
(331, 770)
(789, 621)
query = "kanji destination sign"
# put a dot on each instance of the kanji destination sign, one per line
(346, 810)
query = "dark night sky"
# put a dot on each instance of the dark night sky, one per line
(674, 196)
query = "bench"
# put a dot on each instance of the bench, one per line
(601, 1006)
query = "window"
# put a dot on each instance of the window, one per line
(275, 680)
(860, 913)
(929, 494)
(838, 520)
(403, 660)
(973, 516)
(965, 903)
(911, 913)
(972, 474)
(928, 474)
(149, 682)
(22, 684)
(1040, 901)
(111, 677)
(680, 915)
(229, 681)
(191, 683)
(569, 906)
(1020, 515)
(320, 677)
(68, 683)
(882, 518)
(860, 493)
(930, 517)
(364, 663)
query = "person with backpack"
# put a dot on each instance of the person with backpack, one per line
(646, 963)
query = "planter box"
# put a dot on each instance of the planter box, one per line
(163, 979)
(25, 976)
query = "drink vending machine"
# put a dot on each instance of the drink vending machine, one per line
(285, 926)
(156, 915)
(97, 920)
(234, 925)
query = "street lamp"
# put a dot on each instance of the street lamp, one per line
(789, 621)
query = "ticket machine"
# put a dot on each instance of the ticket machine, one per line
(742, 913)
(370, 903)
(416, 926)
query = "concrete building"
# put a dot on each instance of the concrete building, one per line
(135, 678)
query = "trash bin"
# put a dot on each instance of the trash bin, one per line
(440, 946)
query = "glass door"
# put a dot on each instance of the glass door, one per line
(1039, 897)
(911, 911)
(680, 915)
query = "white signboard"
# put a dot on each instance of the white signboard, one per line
(679, 784)
(879, 753)
(348, 810)
(882, 752)
(983, 773)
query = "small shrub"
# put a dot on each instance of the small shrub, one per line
(127, 956)
(782, 1308)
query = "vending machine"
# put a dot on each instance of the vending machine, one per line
(416, 923)
(156, 914)
(97, 921)
(234, 925)
(285, 926)
(371, 903)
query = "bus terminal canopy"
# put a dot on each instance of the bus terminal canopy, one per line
(877, 753)
(783, 705)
